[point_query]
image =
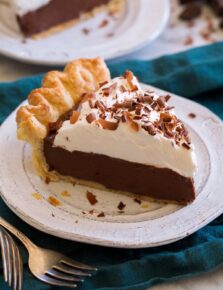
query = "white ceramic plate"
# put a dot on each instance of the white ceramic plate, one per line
(141, 225)
(140, 22)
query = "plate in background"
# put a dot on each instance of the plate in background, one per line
(139, 23)
(140, 225)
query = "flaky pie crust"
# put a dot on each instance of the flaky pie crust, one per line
(60, 91)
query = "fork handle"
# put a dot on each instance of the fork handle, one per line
(26, 241)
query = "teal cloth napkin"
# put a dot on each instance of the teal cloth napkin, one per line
(196, 74)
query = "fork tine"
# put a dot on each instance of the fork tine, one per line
(62, 276)
(20, 270)
(14, 263)
(12, 273)
(4, 257)
(56, 282)
(68, 270)
(78, 265)
(17, 262)
(15, 274)
(9, 261)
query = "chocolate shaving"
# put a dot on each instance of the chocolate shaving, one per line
(147, 99)
(108, 125)
(150, 129)
(167, 97)
(169, 108)
(91, 104)
(137, 118)
(192, 115)
(167, 119)
(91, 198)
(100, 105)
(47, 180)
(128, 119)
(138, 108)
(90, 118)
(103, 83)
(185, 145)
(128, 75)
(154, 105)
(146, 109)
(103, 23)
(74, 117)
(137, 200)
(161, 102)
(186, 137)
(102, 116)
(121, 205)
(102, 214)
(86, 31)
(127, 104)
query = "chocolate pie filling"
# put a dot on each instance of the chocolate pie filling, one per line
(54, 13)
(158, 183)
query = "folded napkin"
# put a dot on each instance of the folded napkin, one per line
(196, 74)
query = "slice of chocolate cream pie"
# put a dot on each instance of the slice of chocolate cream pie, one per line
(38, 18)
(104, 133)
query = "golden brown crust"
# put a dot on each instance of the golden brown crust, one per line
(60, 91)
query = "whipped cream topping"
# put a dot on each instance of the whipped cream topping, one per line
(122, 121)
(21, 7)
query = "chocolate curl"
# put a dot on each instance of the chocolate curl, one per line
(128, 75)
(127, 117)
(74, 117)
(90, 118)
(91, 198)
(150, 129)
(108, 125)
(161, 102)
